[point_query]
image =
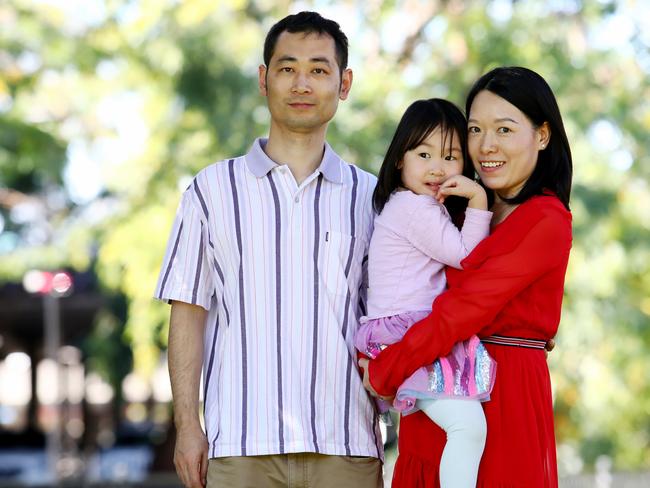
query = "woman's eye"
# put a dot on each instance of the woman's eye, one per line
(503, 130)
(450, 157)
(473, 130)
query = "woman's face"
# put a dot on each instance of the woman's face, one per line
(503, 143)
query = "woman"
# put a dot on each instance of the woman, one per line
(509, 292)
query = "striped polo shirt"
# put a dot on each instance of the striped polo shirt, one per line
(281, 268)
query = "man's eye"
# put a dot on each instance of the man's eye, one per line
(319, 71)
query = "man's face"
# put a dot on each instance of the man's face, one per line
(303, 82)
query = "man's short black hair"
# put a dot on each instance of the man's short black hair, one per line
(308, 23)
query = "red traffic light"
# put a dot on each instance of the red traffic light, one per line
(57, 283)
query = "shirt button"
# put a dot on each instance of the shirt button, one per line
(296, 199)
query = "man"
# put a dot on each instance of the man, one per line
(264, 272)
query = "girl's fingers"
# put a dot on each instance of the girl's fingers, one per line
(450, 190)
(447, 184)
(453, 189)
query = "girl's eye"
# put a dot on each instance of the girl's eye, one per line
(450, 157)
(424, 155)
(503, 130)
(473, 130)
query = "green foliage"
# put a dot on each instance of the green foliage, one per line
(163, 88)
(29, 156)
(107, 351)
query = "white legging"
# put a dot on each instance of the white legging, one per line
(464, 423)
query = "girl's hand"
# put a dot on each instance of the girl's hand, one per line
(462, 186)
(363, 364)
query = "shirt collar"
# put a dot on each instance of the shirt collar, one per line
(260, 164)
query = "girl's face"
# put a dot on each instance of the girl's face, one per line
(503, 143)
(427, 166)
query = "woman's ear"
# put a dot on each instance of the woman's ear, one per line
(400, 164)
(544, 132)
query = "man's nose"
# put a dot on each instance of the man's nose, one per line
(300, 83)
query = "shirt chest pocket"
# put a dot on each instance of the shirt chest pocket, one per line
(339, 262)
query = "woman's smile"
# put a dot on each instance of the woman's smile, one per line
(491, 165)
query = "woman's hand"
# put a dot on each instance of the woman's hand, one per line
(363, 364)
(550, 345)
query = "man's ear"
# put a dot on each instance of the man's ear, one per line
(261, 74)
(346, 83)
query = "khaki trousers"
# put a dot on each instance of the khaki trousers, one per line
(299, 470)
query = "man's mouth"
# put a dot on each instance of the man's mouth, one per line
(301, 104)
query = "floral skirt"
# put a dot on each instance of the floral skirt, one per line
(468, 371)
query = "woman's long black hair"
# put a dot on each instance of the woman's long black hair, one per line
(420, 119)
(530, 93)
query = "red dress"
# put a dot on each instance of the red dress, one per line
(512, 285)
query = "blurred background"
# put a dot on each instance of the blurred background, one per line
(107, 109)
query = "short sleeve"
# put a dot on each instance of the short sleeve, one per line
(186, 274)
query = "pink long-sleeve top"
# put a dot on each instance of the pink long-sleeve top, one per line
(413, 240)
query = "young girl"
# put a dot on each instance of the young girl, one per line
(414, 239)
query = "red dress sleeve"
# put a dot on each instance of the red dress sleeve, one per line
(534, 243)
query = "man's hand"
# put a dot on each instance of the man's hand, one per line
(363, 364)
(185, 357)
(191, 457)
